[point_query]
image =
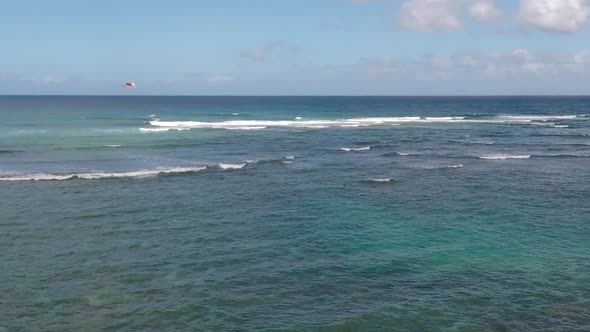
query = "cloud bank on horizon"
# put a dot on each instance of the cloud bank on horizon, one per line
(335, 47)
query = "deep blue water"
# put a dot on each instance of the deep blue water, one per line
(295, 213)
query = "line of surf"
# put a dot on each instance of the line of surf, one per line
(98, 175)
(160, 125)
(111, 175)
(504, 156)
(358, 149)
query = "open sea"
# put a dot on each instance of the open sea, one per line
(294, 214)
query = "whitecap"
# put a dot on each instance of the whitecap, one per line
(231, 166)
(299, 122)
(560, 126)
(97, 175)
(365, 148)
(247, 128)
(113, 145)
(504, 157)
(290, 157)
(151, 116)
(235, 114)
(156, 130)
(379, 180)
(454, 166)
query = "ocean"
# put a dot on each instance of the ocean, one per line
(294, 213)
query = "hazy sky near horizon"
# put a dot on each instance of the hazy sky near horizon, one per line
(288, 47)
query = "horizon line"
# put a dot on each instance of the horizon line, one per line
(295, 95)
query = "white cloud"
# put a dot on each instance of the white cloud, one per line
(555, 15)
(220, 79)
(485, 11)
(262, 53)
(466, 60)
(381, 67)
(582, 57)
(520, 64)
(48, 80)
(211, 78)
(439, 62)
(431, 15)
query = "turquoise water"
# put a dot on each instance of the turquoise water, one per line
(294, 213)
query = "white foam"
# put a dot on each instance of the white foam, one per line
(455, 166)
(247, 128)
(365, 148)
(235, 114)
(97, 175)
(231, 166)
(287, 161)
(298, 122)
(445, 118)
(383, 180)
(155, 130)
(403, 154)
(151, 116)
(483, 142)
(290, 157)
(113, 145)
(504, 157)
(560, 126)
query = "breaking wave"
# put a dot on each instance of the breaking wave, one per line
(9, 176)
(97, 175)
(156, 130)
(474, 142)
(231, 166)
(504, 156)
(364, 148)
(299, 122)
(378, 181)
(396, 154)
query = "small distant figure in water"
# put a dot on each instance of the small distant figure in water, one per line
(129, 85)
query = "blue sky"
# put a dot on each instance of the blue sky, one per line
(286, 47)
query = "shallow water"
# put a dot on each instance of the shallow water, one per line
(403, 214)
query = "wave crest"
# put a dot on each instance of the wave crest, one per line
(299, 122)
(379, 181)
(364, 148)
(504, 156)
(98, 175)
(231, 166)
